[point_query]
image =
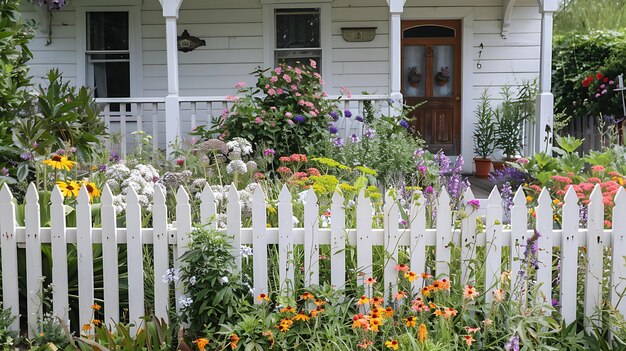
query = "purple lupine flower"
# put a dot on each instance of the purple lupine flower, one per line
(269, 152)
(359, 118)
(333, 129)
(338, 142)
(369, 133)
(443, 162)
(404, 124)
(512, 344)
(582, 214)
(354, 138)
(458, 165)
(474, 203)
(347, 113)
(299, 119)
(334, 115)
(102, 168)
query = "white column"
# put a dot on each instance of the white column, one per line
(172, 104)
(396, 7)
(545, 99)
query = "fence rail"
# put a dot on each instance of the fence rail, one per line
(170, 240)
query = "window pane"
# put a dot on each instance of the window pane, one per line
(443, 65)
(413, 70)
(297, 28)
(107, 31)
(429, 32)
(111, 79)
(298, 57)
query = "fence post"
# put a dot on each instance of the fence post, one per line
(233, 224)
(285, 242)
(8, 247)
(60, 300)
(208, 208)
(311, 239)
(417, 221)
(110, 256)
(444, 235)
(84, 245)
(337, 242)
(593, 274)
(161, 254)
(519, 232)
(618, 269)
(134, 251)
(569, 256)
(391, 240)
(33, 261)
(493, 247)
(468, 237)
(259, 241)
(364, 236)
(183, 229)
(545, 222)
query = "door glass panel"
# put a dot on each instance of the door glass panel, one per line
(429, 32)
(443, 68)
(413, 70)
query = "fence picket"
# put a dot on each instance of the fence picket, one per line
(311, 239)
(468, 238)
(364, 237)
(618, 269)
(493, 244)
(337, 242)
(183, 229)
(285, 244)
(259, 241)
(109, 255)
(233, 224)
(569, 256)
(60, 300)
(135, 259)
(593, 275)
(391, 238)
(208, 207)
(33, 264)
(8, 246)
(85, 256)
(544, 228)
(417, 221)
(444, 236)
(519, 233)
(161, 254)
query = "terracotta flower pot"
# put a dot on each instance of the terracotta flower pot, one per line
(499, 165)
(483, 167)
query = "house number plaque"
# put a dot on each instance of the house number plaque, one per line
(362, 34)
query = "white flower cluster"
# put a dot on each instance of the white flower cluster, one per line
(239, 147)
(141, 178)
(221, 198)
(236, 166)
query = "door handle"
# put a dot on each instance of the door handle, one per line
(458, 98)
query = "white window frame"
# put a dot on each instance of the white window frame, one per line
(134, 43)
(269, 32)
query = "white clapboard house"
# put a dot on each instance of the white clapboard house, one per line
(398, 49)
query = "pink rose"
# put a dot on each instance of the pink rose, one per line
(241, 85)
(271, 92)
(258, 120)
(313, 63)
(279, 91)
(313, 114)
(294, 87)
(274, 79)
(273, 108)
(301, 103)
(278, 70)
(288, 114)
(287, 78)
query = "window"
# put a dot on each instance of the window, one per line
(297, 36)
(108, 54)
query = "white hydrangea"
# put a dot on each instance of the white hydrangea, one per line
(236, 166)
(240, 145)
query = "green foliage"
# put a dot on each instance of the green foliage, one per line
(583, 16)
(286, 111)
(154, 335)
(484, 128)
(510, 120)
(217, 296)
(8, 338)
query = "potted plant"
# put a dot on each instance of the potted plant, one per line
(484, 136)
(510, 118)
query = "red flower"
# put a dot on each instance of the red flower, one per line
(587, 81)
(599, 76)
(605, 80)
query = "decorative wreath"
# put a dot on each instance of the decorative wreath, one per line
(415, 76)
(443, 76)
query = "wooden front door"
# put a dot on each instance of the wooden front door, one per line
(431, 74)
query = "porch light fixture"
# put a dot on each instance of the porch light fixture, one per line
(188, 43)
(358, 34)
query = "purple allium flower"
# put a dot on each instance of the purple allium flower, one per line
(404, 124)
(114, 157)
(334, 115)
(299, 119)
(510, 175)
(102, 168)
(26, 156)
(347, 113)
(512, 344)
(359, 118)
(269, 152)
(338, 142)
(506, 192)
(474, 203)
(333, 129)
(369, 133)
(354, 138)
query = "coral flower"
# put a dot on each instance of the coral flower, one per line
(399, 295)
(388, 312)
(307, 296)
(263, 297)
(393, 344)
(450, 312)
(86, 327)
(69, 188)
(360, 321)
(498, 295)
(377, 301)
(422, 333)
(96, 307)
(426, 276)
(370, 281)
(410, 321)
(445, 284)
(401, 268)
(468, 340)
(234, 339)
(470, 292)
(472, 330)
(375, 323)
(202, 343)
(363, 300)
(59, 162)
(410, 276)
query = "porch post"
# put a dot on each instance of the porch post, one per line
(396, 7)
(545, 99)
(172, 106)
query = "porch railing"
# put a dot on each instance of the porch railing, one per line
(131, 120)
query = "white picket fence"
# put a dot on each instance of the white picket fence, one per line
(172, 239)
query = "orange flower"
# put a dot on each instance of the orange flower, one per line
(319, 302)
(468, 340)
(307, 296)
(375, 323)
(270, 337)
(316, 311)
(363, 300)
(377, 301)
(286, 321)
(202, 343)
(96, 307)
(360, 321)
(288, 309)
(498, 295)
(301, 317)
(422, 333)
(399, 295)
(450, 312)
(392, 344)
(234, 339)
(439, 313)
(426, 290)
(426, 276)
(410, 321)
(282, 328)
(370, 281)
(388, 312)
(470, 292)
(86, 327)
(402, 268)
(96, 322)
(445, 284)
(410, 276)
(472, 330)
(263, 297)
